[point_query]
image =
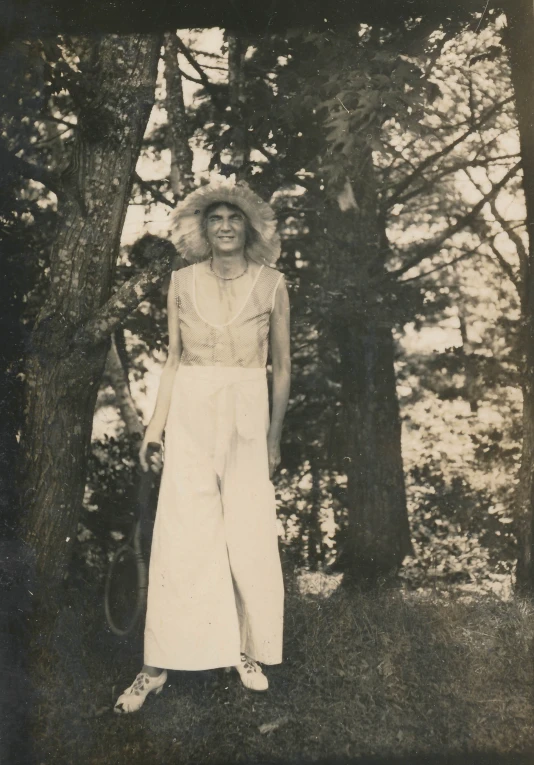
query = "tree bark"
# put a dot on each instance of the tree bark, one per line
(182, 178)
(316, 552)
(378, 536)
(239, 143)
(519, 38)
(469, 363)
(62, 376)
(118, 377)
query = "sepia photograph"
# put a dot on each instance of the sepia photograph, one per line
(267, 403)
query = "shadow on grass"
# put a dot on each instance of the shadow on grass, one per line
(389, 677)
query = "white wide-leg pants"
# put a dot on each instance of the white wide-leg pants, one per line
(215, 581)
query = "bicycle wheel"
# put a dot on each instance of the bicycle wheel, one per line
(125, 594)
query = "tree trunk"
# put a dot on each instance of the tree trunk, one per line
(378, 536)
(239, 144)
(316, 552)
(118, 377)
(182, 183)
(114, 103)
(519, 38)
(182, 178)
(469, 363)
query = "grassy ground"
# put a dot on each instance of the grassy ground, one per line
(390, 673)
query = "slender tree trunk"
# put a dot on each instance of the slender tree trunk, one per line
(182, 178)
(378, 536)
(519, 37)
(315, 536)
(240, 149)
(470, 365)
(118, 377)
(63, 375)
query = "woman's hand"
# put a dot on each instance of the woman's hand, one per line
(273, 453)
(154, 460)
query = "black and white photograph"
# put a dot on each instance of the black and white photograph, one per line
(267, 409)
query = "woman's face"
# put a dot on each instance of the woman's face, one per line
(226, 229)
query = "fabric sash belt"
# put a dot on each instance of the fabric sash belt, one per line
(239, 399)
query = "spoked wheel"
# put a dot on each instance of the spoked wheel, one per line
(125, 594)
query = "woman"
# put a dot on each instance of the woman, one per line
(215, 596)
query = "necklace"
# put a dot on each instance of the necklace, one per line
(227, 278)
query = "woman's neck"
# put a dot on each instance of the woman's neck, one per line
(229, 264)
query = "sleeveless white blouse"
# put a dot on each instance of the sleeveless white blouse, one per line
(241, 342)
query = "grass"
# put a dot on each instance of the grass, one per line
(389, 673)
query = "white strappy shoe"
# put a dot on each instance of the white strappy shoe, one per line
(251, 674)
(134, 697)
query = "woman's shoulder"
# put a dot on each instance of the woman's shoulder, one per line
(180, 274)
(271, 274)
(182, 280)
(269, 282)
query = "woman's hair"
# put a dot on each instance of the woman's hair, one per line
(251, 235)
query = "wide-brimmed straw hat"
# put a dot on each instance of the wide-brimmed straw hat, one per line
(186, 221)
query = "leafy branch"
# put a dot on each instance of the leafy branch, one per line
(111, 315)
(153, 189)
(428, 248)
(464, 165)
(506, 266)
(403, 185)
(11, 163)
(58, 121)
(209, 87)
(464, 254)
(518, 280)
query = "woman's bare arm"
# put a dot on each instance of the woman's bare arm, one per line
(156, 426)
(281, 361)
